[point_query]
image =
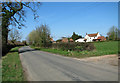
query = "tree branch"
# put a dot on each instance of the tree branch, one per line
(16, 21)
(28, 7)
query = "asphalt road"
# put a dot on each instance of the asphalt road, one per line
(44, 66)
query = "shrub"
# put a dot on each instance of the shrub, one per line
(9, 46)
(90, 47)
(79, 48)
(73, 46)
(48, 45)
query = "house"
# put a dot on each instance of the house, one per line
(91, 38)
(65, 40)
(51, 39)
(54, 42)
(100, 38)
(80, 40)
(71, 40)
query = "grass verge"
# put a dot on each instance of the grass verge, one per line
(102, 48)
(11, 66)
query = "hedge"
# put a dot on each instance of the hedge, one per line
(72, 46)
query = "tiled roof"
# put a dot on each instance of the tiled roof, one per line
(71, 39)
(85, 39)
(65, 40)
(100, 37)
(92, 35)
(51, 39)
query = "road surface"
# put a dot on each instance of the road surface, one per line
(44, 66)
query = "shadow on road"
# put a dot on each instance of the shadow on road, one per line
(26, 50)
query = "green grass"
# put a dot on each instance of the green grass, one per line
(11, 66)
(102, 48)
(0, 72)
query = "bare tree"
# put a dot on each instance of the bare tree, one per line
(14, 35)
(13, 13)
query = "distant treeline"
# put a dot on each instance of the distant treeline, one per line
(41, 38)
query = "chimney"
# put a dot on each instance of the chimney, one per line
(86, 33)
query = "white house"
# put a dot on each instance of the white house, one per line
(80, 40)
(89, 37)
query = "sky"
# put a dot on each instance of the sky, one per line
(64, 18)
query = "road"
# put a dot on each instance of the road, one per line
(44, 66)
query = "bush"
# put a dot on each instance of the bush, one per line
(6, 49)
(48, 45)
(74, 46)
(90, 47)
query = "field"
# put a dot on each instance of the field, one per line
(102, 48)
(11, 66)
(110, 47)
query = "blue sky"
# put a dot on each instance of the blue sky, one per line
(64, 18)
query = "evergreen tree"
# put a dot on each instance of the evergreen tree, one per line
(75, 36)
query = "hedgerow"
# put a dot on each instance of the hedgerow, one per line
(72, 46)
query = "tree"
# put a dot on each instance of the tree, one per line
(14, 35)
(75, 36)
(113, 33)
(40, 36)
(24, 42)
(32, 37)
(13, 13)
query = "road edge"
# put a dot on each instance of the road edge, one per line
(23, 67)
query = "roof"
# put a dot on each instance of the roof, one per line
(85, 39)
(51, 39)
(100, 37)
(71, 39)
(65, 40)
(92, 35)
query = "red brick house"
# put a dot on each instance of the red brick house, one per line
(71, 40)
(65, 40)
(51, 39)
(101, 38)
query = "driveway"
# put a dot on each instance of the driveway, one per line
(44, 66)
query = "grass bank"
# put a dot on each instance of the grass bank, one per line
(11, 66)
(102, 48)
